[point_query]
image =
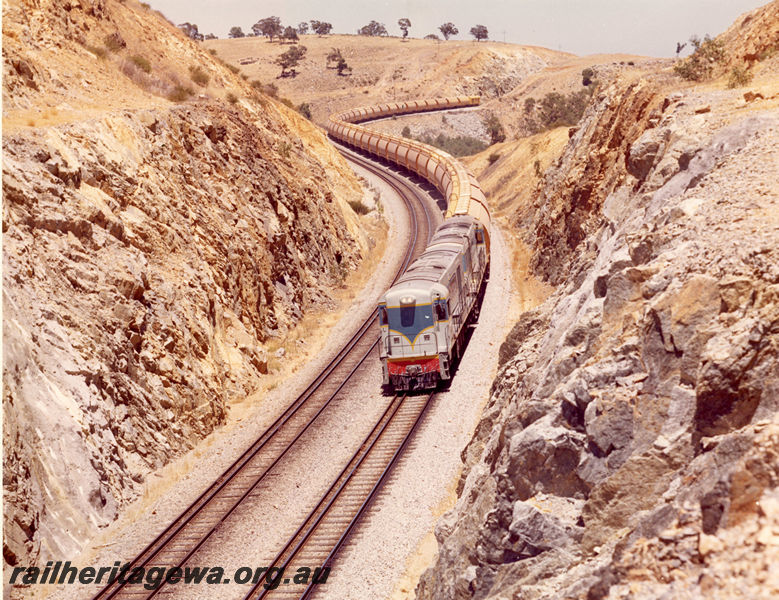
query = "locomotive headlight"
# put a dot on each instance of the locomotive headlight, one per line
(407, 300)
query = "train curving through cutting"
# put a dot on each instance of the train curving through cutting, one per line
(424, 316)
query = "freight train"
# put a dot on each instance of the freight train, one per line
(423, 317)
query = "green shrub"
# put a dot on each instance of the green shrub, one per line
(212, 51)
(270, 89)
(231, 98)
(232, 68)
(406, 132)
(462, 145)
(339, 273)
(180, 93)
(359, 207)
(287, 102)
(558, 110)
(493, 158)
(198, 75)
(700, 65)
(587, 75)
(495, 129)
(141, 62)
(146, 5)
(305, 110)
(739, 77)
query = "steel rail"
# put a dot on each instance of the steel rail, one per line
(327, 507)
(368, 165)
(316, 514)
(371, 496)
(267, 470)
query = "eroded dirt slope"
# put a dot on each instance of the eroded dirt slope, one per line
(151, 251)
(630, 448)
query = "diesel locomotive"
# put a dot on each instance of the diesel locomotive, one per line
(424, 315)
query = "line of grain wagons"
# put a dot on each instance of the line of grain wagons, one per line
(424, 316)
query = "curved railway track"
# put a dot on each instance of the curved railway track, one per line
(201, 521)
(460, 188)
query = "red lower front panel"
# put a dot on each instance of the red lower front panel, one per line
(418, 366)
(413, 373)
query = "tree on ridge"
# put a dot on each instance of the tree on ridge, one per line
(479, 32)
(270, 27)
(448, 30)
(404, 25)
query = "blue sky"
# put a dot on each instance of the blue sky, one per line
(648, 27)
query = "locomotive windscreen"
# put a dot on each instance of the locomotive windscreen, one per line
(410, 320)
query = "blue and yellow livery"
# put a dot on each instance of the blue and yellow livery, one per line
(423, 316)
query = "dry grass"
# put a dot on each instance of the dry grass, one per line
(739, 77)
(509, 181)
(135, 73)
(97, 51)
(141, 62)
(135, 44)
(359, 207)
(113, 42)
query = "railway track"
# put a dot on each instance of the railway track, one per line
(328, 525)
(201, 521)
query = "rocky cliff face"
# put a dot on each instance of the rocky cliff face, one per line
(630, 444)
(149, 254)
(753, 36)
